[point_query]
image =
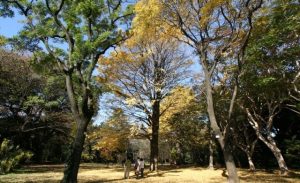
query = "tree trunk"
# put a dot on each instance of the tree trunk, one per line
(271, 144)
(250, 162)
(72, 166)
(230, 165)
(211, 155)
(73, 161)
(154, 136)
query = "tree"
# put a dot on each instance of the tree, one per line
(218, 31)
(182, 125)
(144, 72)
(261, 110)
(75, 34)
(245, 139)
(32, 107)
(11, 156)
(112, 136)
(269, 77)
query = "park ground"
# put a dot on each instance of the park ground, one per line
(94, 173)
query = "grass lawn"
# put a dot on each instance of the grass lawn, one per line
(100, 173)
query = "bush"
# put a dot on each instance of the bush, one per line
(292, 152)
(11, 156)
(85, 157)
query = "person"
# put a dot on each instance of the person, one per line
(142, 166)
(136, 167)
(127, 166)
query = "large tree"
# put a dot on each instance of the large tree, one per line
(218, 31)
(271, 74)
(144, 72)
(75, 33)
(32, 106)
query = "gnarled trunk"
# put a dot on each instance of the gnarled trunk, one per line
(271, 144)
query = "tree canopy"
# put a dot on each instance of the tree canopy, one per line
(209, 82)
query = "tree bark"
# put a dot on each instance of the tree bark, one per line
(271, 144)
(73, 161)
(211, 155)
(229, 161)
(250, 162)
(72, 166)
(154, 136)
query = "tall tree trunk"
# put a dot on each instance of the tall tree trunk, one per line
(211, 154)
(229, 161)
(73, 161)
(154, 136)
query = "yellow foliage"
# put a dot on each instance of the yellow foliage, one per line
(148, 23)
(112, 136)
(177, 102)
(131, 101)
(208, 9)
(147, 16)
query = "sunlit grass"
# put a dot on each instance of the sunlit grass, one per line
(101, 173)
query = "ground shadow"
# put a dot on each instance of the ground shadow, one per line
(268, 176)
(224, 173)
(39, 169)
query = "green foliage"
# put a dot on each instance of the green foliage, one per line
(174, 154)
(5, 11)
(292, 152)
(2, 40)
(272, 53)
(38, 93)
(33, 101)
(267, 81)
(11, 156)
(87, 157)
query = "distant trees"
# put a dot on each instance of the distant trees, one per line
(32, 107)
(111, 138)
(183, 126)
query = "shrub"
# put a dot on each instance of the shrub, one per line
(85, 157)
(11, 156)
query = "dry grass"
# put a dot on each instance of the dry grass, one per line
(93, 173)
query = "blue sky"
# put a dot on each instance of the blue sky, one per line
(10, 26)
